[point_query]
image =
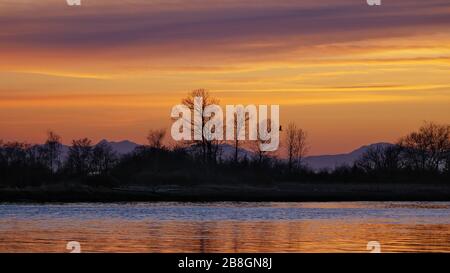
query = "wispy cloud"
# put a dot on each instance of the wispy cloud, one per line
(129, 61)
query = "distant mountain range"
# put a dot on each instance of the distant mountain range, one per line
(120, 147)
(317, 162)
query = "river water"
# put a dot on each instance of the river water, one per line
(226, 227)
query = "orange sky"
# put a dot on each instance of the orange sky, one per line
(348, 73)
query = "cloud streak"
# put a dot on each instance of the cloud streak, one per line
(123, 26)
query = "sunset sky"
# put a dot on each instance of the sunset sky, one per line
(348, 73)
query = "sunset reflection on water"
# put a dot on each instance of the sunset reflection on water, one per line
(407, 227)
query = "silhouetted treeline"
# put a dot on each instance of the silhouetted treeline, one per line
(420, 157)
(23, 165)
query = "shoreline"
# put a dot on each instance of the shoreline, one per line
(286, 192)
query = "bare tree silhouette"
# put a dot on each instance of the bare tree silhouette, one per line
(380, 158)
(50, 152)
(297, 146)
(239, 124)
(209, 148)
(261, 154)
(427, 149)
(103, 158)
(79, 158)
(155, 138)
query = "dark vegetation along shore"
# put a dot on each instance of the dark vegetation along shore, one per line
(416, 168)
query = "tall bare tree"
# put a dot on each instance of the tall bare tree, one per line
(239, 124)
(297, 146)
(155, 138)
(50, 152)
(261, 154)
(209, 148)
